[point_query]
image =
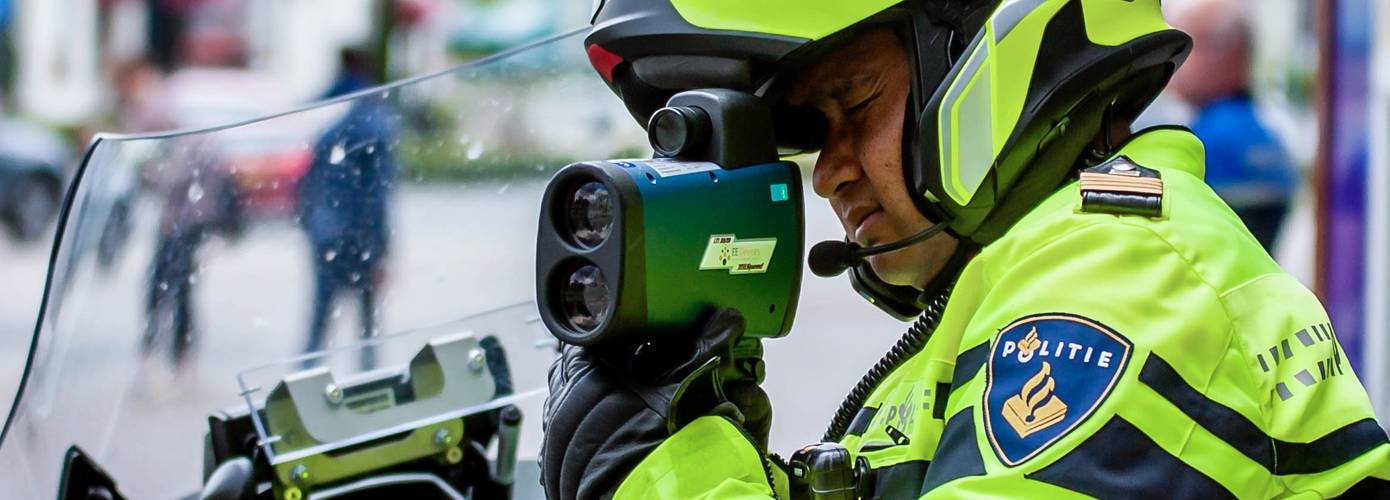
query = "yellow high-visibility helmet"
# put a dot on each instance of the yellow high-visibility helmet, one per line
(1005, 99)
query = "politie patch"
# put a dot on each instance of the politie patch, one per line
(1046, 374)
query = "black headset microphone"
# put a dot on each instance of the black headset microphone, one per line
(829, 259)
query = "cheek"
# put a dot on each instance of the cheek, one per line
(880, 142)
(883, 164)
(887, 166)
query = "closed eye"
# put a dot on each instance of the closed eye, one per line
(863, 103)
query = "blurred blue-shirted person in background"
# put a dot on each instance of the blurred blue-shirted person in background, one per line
(344, 202)
(1246, 164)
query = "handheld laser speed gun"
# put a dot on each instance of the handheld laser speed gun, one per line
(628, 248)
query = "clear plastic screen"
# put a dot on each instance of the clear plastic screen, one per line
(414, 205)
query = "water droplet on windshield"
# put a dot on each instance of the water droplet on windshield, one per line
(336, 155)
(366, 254)
(371, 149)
(475, 151)
(337, 312)
(355, 277)
(330, 255)
(504, 188)
(195, 192)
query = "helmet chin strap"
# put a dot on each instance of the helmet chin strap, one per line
(1105, 140)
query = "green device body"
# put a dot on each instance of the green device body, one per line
(686, 238)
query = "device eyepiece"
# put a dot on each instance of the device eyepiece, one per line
(677, 130)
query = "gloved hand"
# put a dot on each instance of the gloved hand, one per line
(604, 416)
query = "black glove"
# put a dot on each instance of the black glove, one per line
(604, 415)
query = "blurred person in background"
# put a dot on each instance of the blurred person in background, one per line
(1246, 164)
(141, 106)
(200, 200)
(344, 199)
(168, 20)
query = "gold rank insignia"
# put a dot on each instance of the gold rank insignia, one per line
(1122, 187)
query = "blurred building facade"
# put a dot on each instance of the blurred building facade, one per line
(65, 50)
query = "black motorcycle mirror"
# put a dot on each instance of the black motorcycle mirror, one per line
(83, 479)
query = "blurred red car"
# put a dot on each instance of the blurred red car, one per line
(267, 175)
(267, 158)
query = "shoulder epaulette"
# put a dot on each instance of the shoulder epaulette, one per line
(1122, 187)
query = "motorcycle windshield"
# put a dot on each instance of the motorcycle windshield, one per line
(342, 274)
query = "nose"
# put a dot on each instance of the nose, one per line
(838, 165)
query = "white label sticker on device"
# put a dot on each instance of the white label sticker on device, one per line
(674, 168)
(726, 251)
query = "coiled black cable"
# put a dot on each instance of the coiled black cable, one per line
(910, 344)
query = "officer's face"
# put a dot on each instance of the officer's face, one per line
(862, 89)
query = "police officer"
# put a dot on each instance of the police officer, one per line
(1094, 321)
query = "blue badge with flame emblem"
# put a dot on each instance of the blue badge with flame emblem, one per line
(1046, 374)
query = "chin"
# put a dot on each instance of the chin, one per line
(895, 268)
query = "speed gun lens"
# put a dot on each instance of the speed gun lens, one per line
(584, 297)
(590, 214)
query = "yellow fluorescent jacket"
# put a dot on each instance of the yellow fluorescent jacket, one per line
(1088, 354)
